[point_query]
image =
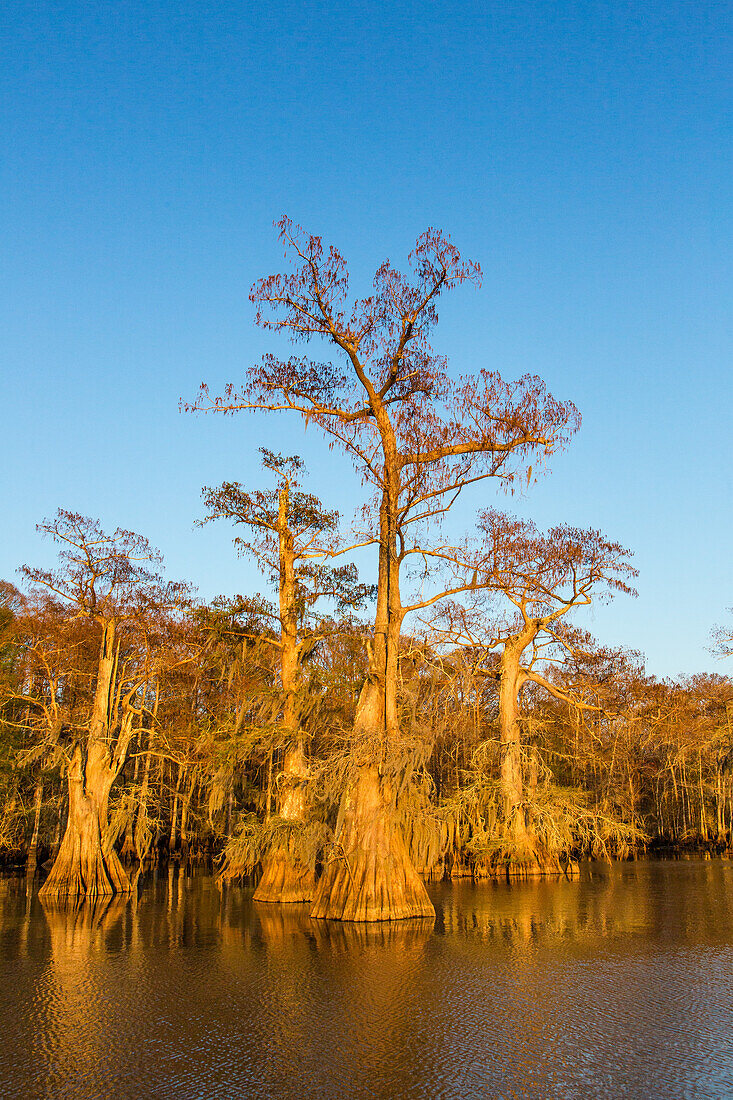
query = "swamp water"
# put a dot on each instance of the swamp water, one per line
(616, 984)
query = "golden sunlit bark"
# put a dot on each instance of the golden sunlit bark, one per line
(371, 876)
(103, 582)
(82, 865)
(285, 877)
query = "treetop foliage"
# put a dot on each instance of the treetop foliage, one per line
(446, 429)
(102, 576)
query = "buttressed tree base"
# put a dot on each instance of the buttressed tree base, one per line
(371, 877)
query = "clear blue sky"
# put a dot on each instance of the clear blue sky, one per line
(580, 151)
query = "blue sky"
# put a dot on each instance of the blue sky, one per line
(581, 152)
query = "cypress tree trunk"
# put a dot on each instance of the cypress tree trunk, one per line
(174, 813)
(82, 866)
(527, 860)
(371, 876)
(184, 821)
(140, 836)
(286, 878)
(30, 868)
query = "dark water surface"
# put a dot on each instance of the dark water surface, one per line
(620, 984)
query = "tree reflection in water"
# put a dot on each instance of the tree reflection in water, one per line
(280, 924)
(77, 1023)
(537, 988)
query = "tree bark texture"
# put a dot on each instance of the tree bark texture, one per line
(30, 868)
(286, 878)
(83, 866)
(527, 859)
(371, 877)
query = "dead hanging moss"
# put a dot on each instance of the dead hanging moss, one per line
(135, 814)
(401, 762)
(402, 765)
(559, 821)
(253, 839)
(427, 834)
(424, 826)
(565, 819)
(231, 753)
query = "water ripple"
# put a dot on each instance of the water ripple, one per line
(620, 984)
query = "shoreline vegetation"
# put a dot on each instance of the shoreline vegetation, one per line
(341, 739)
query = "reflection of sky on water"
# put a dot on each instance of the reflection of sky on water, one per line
(618, 984)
